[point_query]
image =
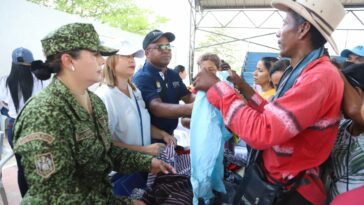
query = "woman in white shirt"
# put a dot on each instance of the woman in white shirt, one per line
(15, 90)
(129, 120)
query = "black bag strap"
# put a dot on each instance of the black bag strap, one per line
(255, 157)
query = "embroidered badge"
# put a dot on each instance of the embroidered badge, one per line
(175, 84)
(36, 136)
(44, 165)
(87, 133)
(158, 85)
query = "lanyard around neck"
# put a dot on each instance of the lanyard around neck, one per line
(140, 116)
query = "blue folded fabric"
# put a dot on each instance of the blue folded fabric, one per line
(208, 135)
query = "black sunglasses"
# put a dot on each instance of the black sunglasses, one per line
(162, 47)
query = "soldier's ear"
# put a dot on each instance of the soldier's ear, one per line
(66, 60)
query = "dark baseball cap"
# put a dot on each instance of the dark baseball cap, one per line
(22, 56)
(154, 35)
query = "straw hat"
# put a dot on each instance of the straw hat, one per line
(324, 15)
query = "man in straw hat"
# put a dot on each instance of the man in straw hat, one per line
(297, 130)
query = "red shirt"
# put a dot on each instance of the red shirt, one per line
(297, 131)
(352, 197)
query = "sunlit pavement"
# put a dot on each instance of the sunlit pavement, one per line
(10, 183)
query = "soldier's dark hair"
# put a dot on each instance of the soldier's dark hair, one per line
(43, 70)
(317, 40)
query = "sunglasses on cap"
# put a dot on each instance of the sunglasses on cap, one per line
(162, 47)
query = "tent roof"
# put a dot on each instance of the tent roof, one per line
(246, 4)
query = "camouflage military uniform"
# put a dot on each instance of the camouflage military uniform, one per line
(67, 152)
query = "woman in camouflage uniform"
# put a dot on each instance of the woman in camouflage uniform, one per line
(62, 133)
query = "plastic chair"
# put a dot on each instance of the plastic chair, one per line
(5, 155)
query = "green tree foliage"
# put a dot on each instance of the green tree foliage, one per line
(123, 14)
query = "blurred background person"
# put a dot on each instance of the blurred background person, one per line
(181, 70)
(354, 55)
(209, 62)
(277, 70)
(16, 89)
(261, 77)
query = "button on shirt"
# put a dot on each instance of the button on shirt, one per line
(167, 86)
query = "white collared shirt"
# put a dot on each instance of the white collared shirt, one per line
(5, 94)
(124, 121)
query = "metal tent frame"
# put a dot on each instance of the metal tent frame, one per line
(200, 10)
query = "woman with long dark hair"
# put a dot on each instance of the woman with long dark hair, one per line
(17, 88)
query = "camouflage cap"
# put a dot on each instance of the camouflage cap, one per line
(74, 36)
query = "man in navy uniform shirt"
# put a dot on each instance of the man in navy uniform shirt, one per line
(161, 87)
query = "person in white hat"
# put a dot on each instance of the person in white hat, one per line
(297, 129)
(129, 120)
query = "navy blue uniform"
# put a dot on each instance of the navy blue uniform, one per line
(168, 87)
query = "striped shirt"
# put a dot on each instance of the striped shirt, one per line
(348, 161)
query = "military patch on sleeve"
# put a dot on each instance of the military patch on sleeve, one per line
(44, 165)
(84, 134)
(36, 136)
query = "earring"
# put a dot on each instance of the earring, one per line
(73, 68)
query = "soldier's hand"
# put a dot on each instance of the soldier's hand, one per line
(137, 202)
(160, 166)
(204, 80)
(155, 149)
